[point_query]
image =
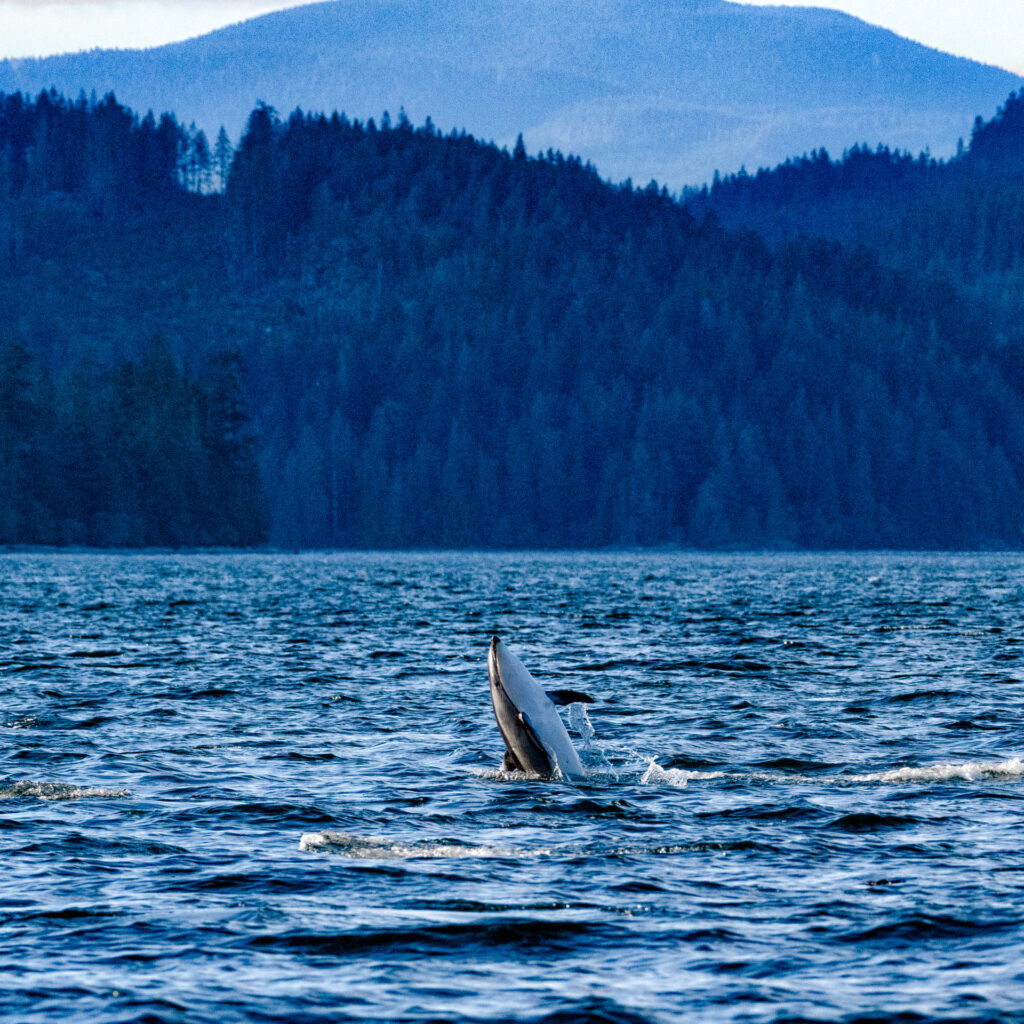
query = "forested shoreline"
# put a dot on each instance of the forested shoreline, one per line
(382, 336)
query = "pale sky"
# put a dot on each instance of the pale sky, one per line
(991, 31)
(987, 30)
(38, 28)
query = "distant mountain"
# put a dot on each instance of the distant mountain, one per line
(671, 89)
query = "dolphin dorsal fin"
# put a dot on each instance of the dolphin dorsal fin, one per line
(563, 697)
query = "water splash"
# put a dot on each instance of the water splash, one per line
(592, 756)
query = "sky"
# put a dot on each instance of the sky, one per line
(991, 31)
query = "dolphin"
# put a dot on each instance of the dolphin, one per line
(535, 738)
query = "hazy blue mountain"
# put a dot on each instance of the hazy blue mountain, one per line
(671, 89)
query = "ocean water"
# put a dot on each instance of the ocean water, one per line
(267, 788)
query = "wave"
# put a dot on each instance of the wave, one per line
(592, 1010)
(25, 788)
(528, 933)
(905, 698)
(967, 771)
(869, 821)
(916, 927)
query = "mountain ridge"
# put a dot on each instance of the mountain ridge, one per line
(668, 90)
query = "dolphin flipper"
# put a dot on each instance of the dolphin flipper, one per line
(510, 763)
(563, 697)
(541, 745)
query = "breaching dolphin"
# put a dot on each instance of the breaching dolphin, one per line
(535, 738)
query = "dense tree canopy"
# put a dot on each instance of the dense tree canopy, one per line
(966, 214)
(440, 343)
(104, 438)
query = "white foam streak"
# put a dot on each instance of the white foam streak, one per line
(501, 775)
(56, 791)
(655, 775)
(652, 774)
(967, 771)
(345, 844)
(28, 722)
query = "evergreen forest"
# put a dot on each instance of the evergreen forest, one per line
(352, 334)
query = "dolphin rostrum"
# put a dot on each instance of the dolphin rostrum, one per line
(535, 738)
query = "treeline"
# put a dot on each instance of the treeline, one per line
(441, 343)
(137, 457)
(965, 214)
(486, 349)
(101, 153)
(958, 223)
(106, 437)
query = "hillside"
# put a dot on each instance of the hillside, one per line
(962, 218)
(672, 89)
(443, 344)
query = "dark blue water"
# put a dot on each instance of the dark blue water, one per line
(266, 788)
